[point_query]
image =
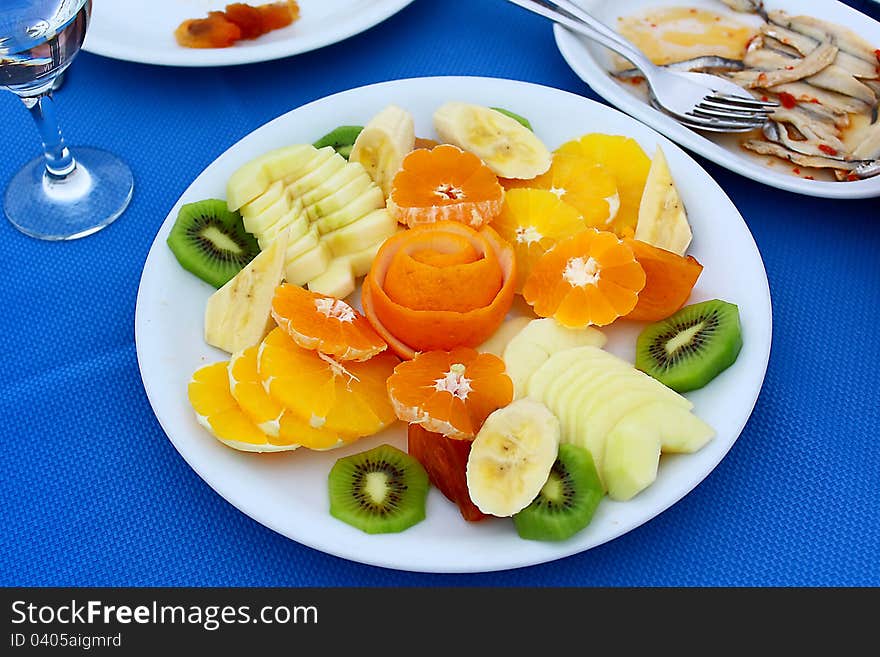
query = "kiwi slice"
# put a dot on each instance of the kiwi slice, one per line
(380, 491)
(523, 121)
(210, 241)
(567, 501)
(341, 139)
(690, 348)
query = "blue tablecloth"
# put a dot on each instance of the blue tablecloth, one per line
(93, 493)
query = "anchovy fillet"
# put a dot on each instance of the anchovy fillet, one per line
(832, 77)
(777, 133)
(805, 45)
(815, 162)
(847, 40)
(869, 147)
(814, 130)
(832, 100)
(821, 58)
(747, 6)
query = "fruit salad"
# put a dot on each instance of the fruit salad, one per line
(459, 285)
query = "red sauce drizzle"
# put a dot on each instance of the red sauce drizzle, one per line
(788, 101)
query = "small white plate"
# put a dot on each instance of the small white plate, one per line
(288, 492)
(143, 30)
(591, 63)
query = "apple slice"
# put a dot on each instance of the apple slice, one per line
(338, 199)
(681, 432)
(372, 199)
(348, 174)
(318, 175)
(536, 343)
(374, 227)
(309, 265)
(632, 457)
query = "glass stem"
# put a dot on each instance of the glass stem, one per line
(59, 161)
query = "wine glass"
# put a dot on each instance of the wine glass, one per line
(64, 194)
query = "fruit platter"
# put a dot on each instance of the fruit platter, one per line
(453, 324)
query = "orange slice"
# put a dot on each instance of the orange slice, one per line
(220, 414)
(450, 392)
(580, 182)
(591, 278)
(247, 390)
(347, 398)
(281, 426)
(533, 220)
(409, 321)
(444, 184)
(624, 159)
(324, 323)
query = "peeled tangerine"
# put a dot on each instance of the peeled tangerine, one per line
(533, 220)
(345, 397)
(450, 392)
(438, 287)
(591, 278)
(325, 324)
(444, 184)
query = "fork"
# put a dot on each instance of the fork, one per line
(696, 100)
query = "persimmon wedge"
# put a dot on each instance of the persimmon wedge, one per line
(669, 279)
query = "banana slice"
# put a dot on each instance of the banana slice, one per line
(662, 219)
(507, 147)
(238, 315)
(383, 143)
(511, 457)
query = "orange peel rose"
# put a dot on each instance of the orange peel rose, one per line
(439, 286)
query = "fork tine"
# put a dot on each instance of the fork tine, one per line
(731, 110)
(727, 118)
(740, 101)
(709, 128)
(709, 123)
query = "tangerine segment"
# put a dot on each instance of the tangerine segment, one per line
(324, 323)
(627, 163)
(669, 281)
(533, 220)
(220, 414)
(444, 184)
(580, 182)
(450, 392)
(409, 330)
(349, 399)
(442, 283)
(591, 278)
(248, 391)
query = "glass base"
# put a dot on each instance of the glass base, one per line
(81, 203)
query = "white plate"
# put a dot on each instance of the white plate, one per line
(288, 492)
(143, 30)
(591, 63)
